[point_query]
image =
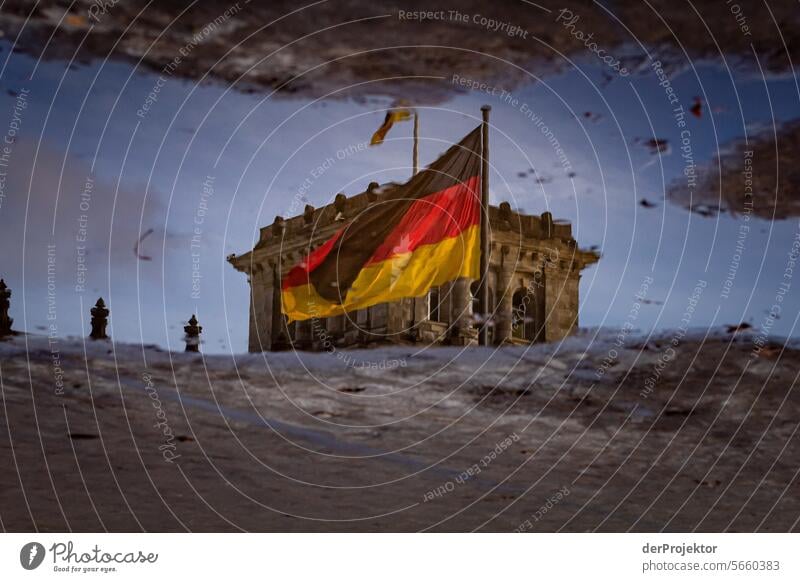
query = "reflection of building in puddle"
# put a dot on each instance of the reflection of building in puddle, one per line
(534, 274)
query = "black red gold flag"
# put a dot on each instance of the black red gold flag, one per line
(421, 234)
(392, 116)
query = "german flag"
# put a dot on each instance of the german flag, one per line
(421, 234)
(393, 115)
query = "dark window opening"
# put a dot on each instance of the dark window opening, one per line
(519, 314)
(434, 305)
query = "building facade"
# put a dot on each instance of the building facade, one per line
(534, 273)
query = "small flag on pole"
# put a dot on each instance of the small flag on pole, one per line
(393, 115)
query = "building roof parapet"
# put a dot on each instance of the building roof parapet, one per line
(318, 222)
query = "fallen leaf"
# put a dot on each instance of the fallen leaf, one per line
(75, 20)
(697, 108)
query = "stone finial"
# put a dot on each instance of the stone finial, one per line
(338, 204)
(278, 226)
(308, 214)
(505, 211)
(192, 337)
(372, 194)
(547, 225)
(99, 320)
(504, 216)
(5, 304)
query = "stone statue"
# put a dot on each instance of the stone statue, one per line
(193, 332)
(99, 320)
(5, 320)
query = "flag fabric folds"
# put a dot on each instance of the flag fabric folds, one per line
(393, 115)
(420, 234)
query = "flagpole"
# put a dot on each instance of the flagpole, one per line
(416, 142)
(483, 289)
(415, 162)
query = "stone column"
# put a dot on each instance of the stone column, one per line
(396, 321)
(334, 329)
(462, 310)
(504, 294)
(557, 325)
(570, 317)
(261, 297)
(279, 336)
(303, 335)
(362, 325)
(252, 341)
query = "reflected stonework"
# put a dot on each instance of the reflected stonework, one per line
(534, 274)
